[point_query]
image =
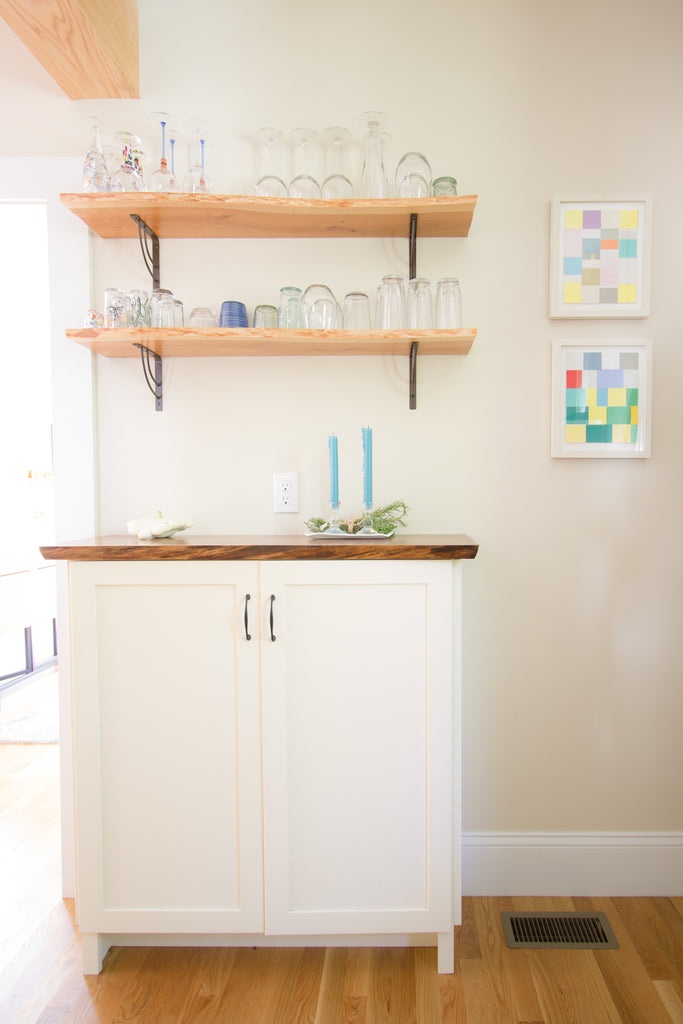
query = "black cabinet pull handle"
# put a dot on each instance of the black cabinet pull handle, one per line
(246, 616)
(272, 601)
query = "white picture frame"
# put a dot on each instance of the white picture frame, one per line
(601, 398)
(600, 256)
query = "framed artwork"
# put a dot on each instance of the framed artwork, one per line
(600, 257)
(601, 399)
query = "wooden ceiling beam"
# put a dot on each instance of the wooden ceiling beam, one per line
(89, 47)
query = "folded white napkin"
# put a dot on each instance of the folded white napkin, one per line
(153, 527)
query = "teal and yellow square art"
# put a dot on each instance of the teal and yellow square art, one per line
(601, 399)
(600, 257)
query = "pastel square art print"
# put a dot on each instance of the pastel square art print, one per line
(601, 399)
(600, 257)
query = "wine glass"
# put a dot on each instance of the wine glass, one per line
(336, 185)
(196, 179)
(95, 172)
(304, 185)
(163, 180)
(269, 183)
(129, 176)
(374, 181)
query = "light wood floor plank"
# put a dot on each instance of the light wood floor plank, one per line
(672, 999)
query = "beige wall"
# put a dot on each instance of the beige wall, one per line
(573, 651)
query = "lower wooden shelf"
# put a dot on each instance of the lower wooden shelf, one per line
(230, 341)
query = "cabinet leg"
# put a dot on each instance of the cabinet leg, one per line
(446, 952)
(94, 948)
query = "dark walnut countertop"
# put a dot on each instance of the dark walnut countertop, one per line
(260, 548)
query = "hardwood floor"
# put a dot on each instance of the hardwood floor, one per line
(41, 980)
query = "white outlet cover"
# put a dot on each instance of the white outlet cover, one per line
(285, 492)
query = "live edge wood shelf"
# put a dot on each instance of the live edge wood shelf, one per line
(181, 215)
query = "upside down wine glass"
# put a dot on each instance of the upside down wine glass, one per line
(336, 185)
(304, 185)
(196, 179)
(95, 173)
(269, 183)
(163, 180)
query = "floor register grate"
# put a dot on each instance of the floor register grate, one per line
(558, 930)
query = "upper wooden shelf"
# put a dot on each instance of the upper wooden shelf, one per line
(185, 215)
(253, 341)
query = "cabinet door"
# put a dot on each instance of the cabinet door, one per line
(358, 756)
(167, 799)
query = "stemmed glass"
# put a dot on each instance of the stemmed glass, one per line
(336, 185)
(95, 172)
(196, 179)
(374, 181)
(163, 180)
(304, 185)
(269, 183)
(129, 178)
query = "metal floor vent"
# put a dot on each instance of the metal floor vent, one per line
(558, 930)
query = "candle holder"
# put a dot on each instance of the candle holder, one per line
(366, 527)
(333, 521)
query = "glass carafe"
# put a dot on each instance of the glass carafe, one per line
(374, 183)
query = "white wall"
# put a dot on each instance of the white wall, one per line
(572, 643)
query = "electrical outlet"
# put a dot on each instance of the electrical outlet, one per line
(285, 492)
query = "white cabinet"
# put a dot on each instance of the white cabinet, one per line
(304, 785)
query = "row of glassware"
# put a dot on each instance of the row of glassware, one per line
(398, 304)
(303, 164)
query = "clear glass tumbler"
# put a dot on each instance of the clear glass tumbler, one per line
(413, 176)
(391, 303)
(420, 305)
(116, 308)
(290, 313)
(356, 312)
(448, 311)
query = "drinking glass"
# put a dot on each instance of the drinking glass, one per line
(270, 183)
(178, 313)
(116, 308)
(374, 183)
(95, 172)
(196, 179)
(445, 186)
(265, 316)
(320, 308)
(162, 311)
(336, 185)
(304, 184)
(140, 310)
(162, 179)
(202, 316)
(420, 308)
(391, 303)
(356, 313)
(290, 313)
(413, 176)
(129, 177)
(448, 303)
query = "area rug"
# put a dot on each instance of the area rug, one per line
(29, 710)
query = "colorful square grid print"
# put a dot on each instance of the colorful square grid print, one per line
(600, 249)
(600, 257)
(601, 397)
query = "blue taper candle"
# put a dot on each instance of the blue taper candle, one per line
(367, 466)
(334, 470)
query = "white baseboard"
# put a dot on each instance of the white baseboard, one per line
(572, 863)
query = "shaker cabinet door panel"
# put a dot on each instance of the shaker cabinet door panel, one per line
(172, 798)
(358, 773)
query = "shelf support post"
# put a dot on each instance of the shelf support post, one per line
(413, 375)
(152, 377)
(412, 262)
(145, 235)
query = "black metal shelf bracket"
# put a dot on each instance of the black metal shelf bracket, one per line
(145, 236)
(152, 377)
(412, 262)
